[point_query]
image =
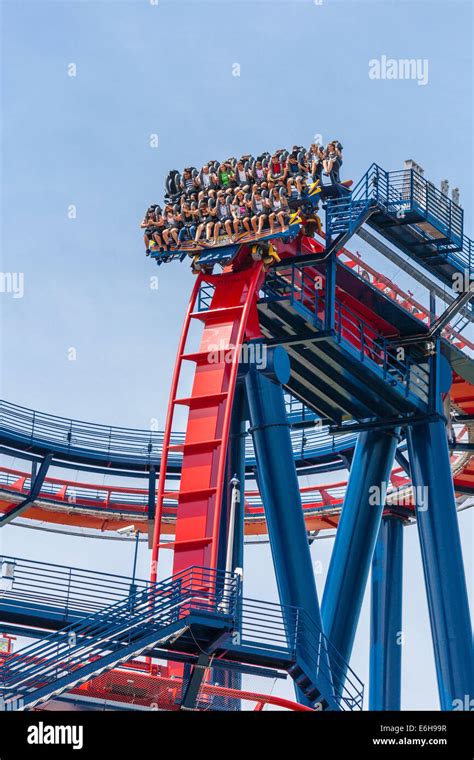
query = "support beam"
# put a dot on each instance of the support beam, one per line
(330, 293)
(386, 617)
(442, 563)
(235, 465)
(425, 280)
(356, 536)
(151, 493)
(35, 488)
(280, 494)
(279, 489)
(191, 691)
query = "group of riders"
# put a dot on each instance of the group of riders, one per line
(246, 195)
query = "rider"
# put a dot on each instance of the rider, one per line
(296, 173)
(152, 224)
(224, 216)
(205, 220)
(225, 176)
(261, 210)
(172, 226)
(279, 210)
(333, 161)
(187, 216)
(240, 212)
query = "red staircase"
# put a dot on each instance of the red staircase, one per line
(231, 319)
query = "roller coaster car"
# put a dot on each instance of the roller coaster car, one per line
(304, 216)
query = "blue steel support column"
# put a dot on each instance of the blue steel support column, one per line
(355, 538)
(279, 486)
(330, 292)
(442, 563)
(235, 465)
(386, 617)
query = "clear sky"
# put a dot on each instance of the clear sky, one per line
(167, 69)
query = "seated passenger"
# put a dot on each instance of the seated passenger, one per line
(224, 216)
(225, 176)
(261, 210)
(279, 210)
(240, 212)
(276, 170)
(152, 224)
(242, 175)
(205, 221)
(258, 173)
(171, 226)
(158, 234)
(187, 218)
(206, 181)
(333, 162)
(317, 156)
(296, 173)
(188, 183)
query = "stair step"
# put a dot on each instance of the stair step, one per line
(196, 446)
(313, 693)
(192, 494)
(303, 681)
(190, 543)
(197, 493)
(211, 315)
(200, 402)
(200, 357)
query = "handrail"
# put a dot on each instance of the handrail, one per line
(352, 330)
(404, 191)
(127, 445)
(106, 612)
(121, 623)
(276, 627)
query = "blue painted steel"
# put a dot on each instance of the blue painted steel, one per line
(386, 617)
(36, 482)
(279, 489)
(280, 493)
(330, 293)
(130, 448)
(356, 536)
(442, 563)
(112, 630)
(118, 632)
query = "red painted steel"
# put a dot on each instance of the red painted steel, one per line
(231, 318)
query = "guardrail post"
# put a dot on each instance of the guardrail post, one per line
(330, 292)
(68, 593)
(151, 504)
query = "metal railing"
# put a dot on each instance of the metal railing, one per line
(375, 348)
(75, 437)
(67, 591)
(399, 193)
(109, 618)
(102, 443)
(297, 284)
(116, 628)
(276, 628)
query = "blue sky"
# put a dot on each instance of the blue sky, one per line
(166, 69)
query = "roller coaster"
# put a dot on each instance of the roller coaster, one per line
(308, 361)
